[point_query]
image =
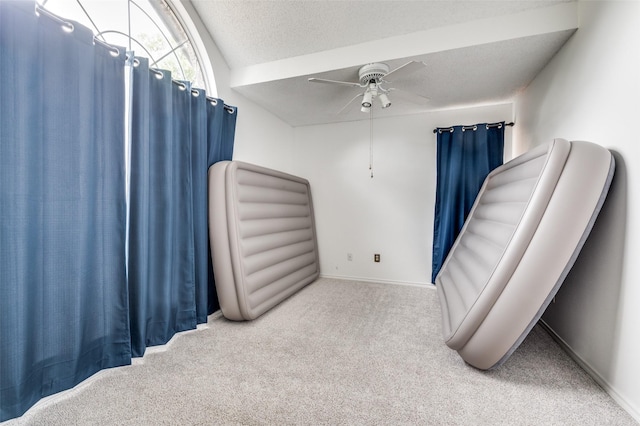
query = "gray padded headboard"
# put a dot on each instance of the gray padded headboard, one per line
(263, 237)
(522, 236)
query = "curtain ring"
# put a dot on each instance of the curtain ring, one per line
(68, 27)
(158, 73)
(195, 93)
(113, 51)
(180, 85)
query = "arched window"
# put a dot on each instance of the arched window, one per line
(149, 28)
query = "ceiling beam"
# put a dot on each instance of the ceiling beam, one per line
(507, 27)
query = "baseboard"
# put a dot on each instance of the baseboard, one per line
(57, 397)
(379, 281)
(604, 384)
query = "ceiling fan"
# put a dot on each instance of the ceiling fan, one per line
(374, 78)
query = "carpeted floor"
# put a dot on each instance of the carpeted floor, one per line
(338, 352)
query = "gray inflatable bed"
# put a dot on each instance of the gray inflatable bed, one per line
(521, 237)
(263, 237)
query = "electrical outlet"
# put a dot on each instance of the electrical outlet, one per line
(376, 258)
(349, 257)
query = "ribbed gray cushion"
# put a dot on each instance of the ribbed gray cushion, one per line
(522, 235)
(263, 237)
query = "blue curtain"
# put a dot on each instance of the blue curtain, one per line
(465, 156)
(68, 305)
(198, 130)
(63, 290)
(168, 233)
(221, 128)
(213, 126)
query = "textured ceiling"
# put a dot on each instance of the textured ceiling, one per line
(475, 52)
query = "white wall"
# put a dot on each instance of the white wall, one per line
(590, 91)
(391, 213)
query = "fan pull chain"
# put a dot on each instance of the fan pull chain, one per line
(371, 141)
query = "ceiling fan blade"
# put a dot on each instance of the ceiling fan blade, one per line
(408, 96)
(359, 95)
(403, 71)
(344, 83)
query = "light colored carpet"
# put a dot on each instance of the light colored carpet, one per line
(338, 352)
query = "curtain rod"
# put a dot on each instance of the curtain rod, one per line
(183, 85)
(39, 9)
(474, 127)
(227, 108)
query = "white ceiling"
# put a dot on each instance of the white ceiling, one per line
(475, 52)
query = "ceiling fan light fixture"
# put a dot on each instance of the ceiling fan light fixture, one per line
(384, 100)
(374, 78)
(366, 100)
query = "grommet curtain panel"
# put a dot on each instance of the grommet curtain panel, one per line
(161, 235)
(63, 288)
(83, 288)
(177, 133)
(221, 130)
(464, 157)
